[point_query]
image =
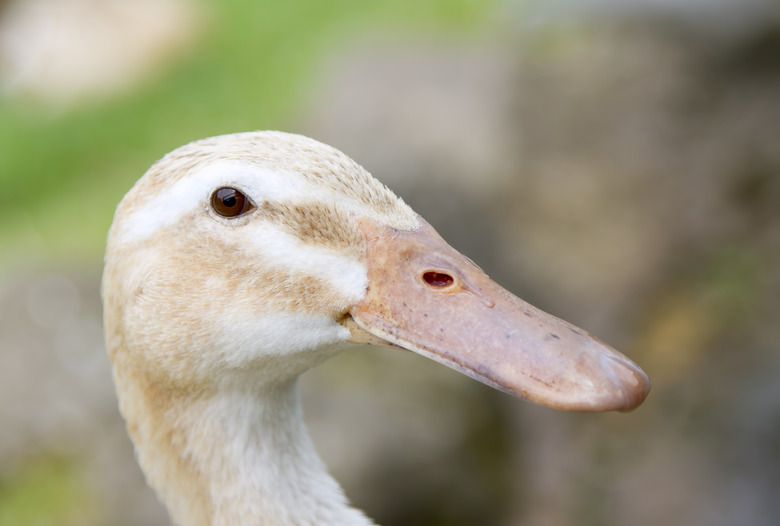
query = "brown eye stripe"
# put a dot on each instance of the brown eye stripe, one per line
(316, 224)
(229, 202)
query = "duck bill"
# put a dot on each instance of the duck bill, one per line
(426, 297)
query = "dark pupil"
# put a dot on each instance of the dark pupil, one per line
(229, 202)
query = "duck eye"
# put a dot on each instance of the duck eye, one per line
(229, 202)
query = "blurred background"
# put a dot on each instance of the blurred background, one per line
(614, 163)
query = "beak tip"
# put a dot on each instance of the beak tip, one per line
(631, 382)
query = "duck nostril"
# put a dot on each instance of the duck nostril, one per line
(438, 279)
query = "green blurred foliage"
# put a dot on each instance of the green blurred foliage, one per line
(63, 171)
(46, 490)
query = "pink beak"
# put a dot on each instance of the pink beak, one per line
(426, 297)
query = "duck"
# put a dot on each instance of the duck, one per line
(238, 262)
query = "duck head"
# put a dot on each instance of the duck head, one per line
(246, 259)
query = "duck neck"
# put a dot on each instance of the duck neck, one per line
(236, 456)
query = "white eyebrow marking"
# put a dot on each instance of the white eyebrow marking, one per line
(191, 192)
(260, 184)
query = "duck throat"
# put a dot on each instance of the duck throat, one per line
(235, 457)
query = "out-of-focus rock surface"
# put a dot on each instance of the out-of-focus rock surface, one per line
(624, 176)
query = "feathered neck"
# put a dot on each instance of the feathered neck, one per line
(234, 456)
